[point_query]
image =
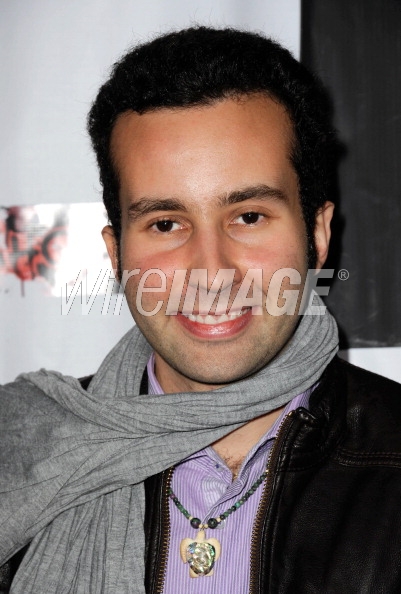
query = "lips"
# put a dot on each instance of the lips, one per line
(215, 326)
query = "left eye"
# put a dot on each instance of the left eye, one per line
(166, 225)
(249, 218)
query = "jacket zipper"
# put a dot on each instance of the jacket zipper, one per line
(264, 503)
(165, 531)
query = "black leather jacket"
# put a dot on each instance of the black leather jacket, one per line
(330, 516)
(329, 521)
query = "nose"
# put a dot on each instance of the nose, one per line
(214, 268)
(213, 251)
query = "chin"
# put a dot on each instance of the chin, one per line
(218, 375)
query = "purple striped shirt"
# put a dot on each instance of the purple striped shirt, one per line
(203, 484)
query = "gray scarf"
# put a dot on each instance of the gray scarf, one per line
(72, 463)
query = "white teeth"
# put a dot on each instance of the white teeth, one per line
(213, 319)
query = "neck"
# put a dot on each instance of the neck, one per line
(234, 447)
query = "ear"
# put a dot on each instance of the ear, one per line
(111, 245)
(323, 232)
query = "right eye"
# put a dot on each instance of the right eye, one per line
(166, 226)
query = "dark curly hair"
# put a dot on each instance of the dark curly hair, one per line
(200, 65)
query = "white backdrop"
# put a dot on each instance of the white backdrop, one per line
(55, 55)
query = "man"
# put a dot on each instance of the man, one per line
(221, 447)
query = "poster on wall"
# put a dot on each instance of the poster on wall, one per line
(43, 248)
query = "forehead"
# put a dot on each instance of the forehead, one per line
(204, 150)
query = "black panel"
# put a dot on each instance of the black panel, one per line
(355, 47)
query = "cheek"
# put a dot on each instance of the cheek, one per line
(139, 254)
(272, 259)
(161, 282)
(275, 257)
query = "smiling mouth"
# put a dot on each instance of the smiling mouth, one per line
(212, 319)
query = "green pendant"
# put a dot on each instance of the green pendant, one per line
(200, 554)
(201, 557)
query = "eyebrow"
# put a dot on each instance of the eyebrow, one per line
(146, 206)
(259, 192)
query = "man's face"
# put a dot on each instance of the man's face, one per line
(210, 188)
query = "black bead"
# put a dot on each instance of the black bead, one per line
(195, 523)
(212, 523)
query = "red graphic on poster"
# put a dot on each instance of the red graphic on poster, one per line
(29, 248)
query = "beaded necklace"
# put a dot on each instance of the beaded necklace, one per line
(201, 553)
